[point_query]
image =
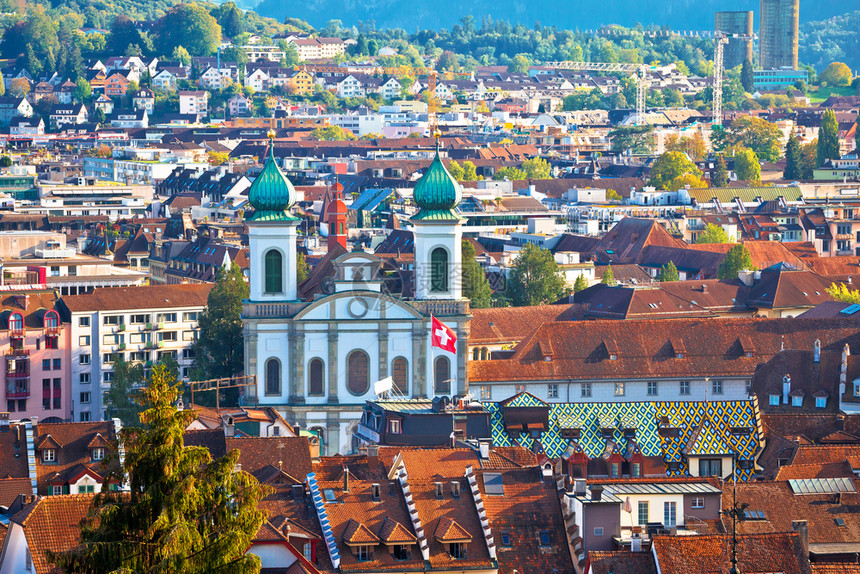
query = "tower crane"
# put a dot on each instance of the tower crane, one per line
(720, 41)
(639, 72)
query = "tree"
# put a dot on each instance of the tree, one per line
(519, 65)
(836, 74)
(759, 135)
(580, 284)
(219, 349)
(793, 168)
(19, 87)
(841, 292)
(475, 285)
(511, 173)
(808, 158)
(123, 33)
(302, 268)
(83, 90)
(122, 398)
(720, 177)
(188, 25)
(713, 234)
(747, 76)
(828, 138)
(447, 61)
(737, 259)
(456, 170)
(183, 513)
(608, 277)
(180, 54)
(536, 168)
(747, 166)
(2, 85)
(632, 139)
(231, 20)
(535, 278)
(331, 133)
(668, 273)
(669, 166)
(217, 157)
(469, 171)
(686, 180)
(5, 161)
(612, 195)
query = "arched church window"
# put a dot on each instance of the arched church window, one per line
(439, 270)
(442, 376)
(316, 369)
(357, 372)
(476, 354)
(273, 377)
(400, 375)
(274, 268)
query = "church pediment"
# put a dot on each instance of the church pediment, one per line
(358, 305)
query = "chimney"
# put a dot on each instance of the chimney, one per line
(372, 455)
(596, 493)
(485, 450)
(786, 388)
(802, 528)
(229, 429)
(704, 288)
(346, 479)
(579, 486)
(816, 351)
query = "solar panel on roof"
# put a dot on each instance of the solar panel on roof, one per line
(851, 309)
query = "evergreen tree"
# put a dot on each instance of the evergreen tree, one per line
(220, 349)
(828, 138)
(608, 277)
(475, 285)
(99, 116)
(737, 259)
(721, 173)
(535, 278)
(31, 62)
(231, 21)
(793, 170)
(747, 76)
(668, 273)
(184, 512)
(580, 284)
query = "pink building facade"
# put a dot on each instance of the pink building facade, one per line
(35, 345)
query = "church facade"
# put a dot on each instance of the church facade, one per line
(318, 362)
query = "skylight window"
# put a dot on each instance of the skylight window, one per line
(329, 495)
(493, 484)
(754, 515)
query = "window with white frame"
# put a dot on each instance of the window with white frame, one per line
(820, 402)
(49, 455)
(552, 391)
(652, 388)
(619, 388)
(84, 358)
(84, 340)
(697, 502)
(84, 378)
(717, 387)
(684, 388)
(485, 392)
(670, 514)
(585, 390)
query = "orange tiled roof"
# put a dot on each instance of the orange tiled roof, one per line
(52, 523)
(392, 532)
(447, 530)
(357, 533)
(773, 552)
(152, 297)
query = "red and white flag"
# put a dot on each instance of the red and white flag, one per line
(442, 336)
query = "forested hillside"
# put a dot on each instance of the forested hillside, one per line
(834, 39)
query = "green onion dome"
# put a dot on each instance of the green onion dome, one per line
(437, 193)
(271, 195)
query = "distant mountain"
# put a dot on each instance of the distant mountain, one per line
(411, 14)
(833, 40)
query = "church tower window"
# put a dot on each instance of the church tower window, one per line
(274, 265)
(357, 372)
(273, 377)
(400, 375)
(439, 270)
(315, 378)
(442, 376)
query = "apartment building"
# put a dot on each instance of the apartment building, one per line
(318, 48)
(136, 324)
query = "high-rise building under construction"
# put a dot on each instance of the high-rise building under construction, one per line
(778, 33)
(738, 49)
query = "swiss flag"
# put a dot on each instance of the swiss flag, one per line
(442, 336)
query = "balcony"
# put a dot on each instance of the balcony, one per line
(17, 352)
(52, 331)
(148, 326)
(18, 390)
(120, 327)
(122, 346)
(270, 310)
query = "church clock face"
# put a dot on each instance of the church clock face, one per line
(357, 308)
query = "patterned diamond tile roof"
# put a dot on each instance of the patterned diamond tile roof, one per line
(716, 436)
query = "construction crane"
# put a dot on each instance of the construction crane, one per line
(720, 41)
(639, 72)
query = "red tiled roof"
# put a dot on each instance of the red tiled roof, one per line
(447, 530)
(621, 562)
(820, 470)
(513, 324)
(392, 532)
(357, 533)
(53, 523)
(152, 297)
(776, 552)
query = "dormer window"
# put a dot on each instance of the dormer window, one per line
(363, 553)
(773, 400)
(797, 401)
(457, 550)
(613, 357)
(49, 455)
(375, 495)
(98, 453)
(455, 490)
(16, 325)
(439, 491)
